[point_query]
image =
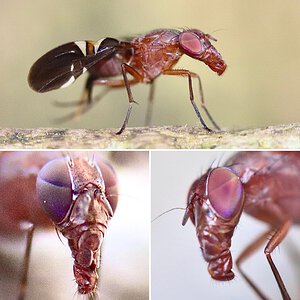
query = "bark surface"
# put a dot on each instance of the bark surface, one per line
(167, 137)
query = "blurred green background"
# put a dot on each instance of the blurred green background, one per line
(259, 40)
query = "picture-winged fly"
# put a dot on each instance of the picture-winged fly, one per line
(265, 185)
(144, 57)
(76, 194)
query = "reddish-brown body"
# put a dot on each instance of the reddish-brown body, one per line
(271, 183)
(151, 54)
(148, 54)
(265, 185)
(144, 58)
(155, 52)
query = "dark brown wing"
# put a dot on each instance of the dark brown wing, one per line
(61, 66)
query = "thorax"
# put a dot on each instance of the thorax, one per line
(155, 52)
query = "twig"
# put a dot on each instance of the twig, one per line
(178, 137)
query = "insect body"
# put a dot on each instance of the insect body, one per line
(78, 195)
(265, 185)
(144, 57)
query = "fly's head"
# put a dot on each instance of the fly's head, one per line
(70, 190)
(197, 45)
(215, 203)
(79, 196)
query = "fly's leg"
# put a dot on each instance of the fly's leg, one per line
(203, 103)
(86, 97)
(84, 104)
(86, 101)
(138, 78)
(150, 105)
(191, 75)
(276, 238)
(246, 254)
(24, 275)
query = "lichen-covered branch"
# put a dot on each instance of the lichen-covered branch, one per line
(178, 137)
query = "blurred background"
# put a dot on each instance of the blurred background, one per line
(259, 40)
(178, 270)
(124, 270)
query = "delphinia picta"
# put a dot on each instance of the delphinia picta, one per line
(265, 185)
(76, 194)
(144, 57)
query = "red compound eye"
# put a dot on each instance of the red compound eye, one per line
(225, 192)
(190, 43)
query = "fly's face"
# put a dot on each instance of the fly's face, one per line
(73, 195)
(215, 203)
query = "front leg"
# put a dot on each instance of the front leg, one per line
(191, 75)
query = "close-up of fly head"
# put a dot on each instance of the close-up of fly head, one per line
(215, 203)
(72, 192)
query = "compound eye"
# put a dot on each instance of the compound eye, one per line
(111, 183)
(190, 43)
(225, 192)
(54, 189)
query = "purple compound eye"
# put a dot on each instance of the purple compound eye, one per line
(225, 192)
(190, 43)
(54, 189)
